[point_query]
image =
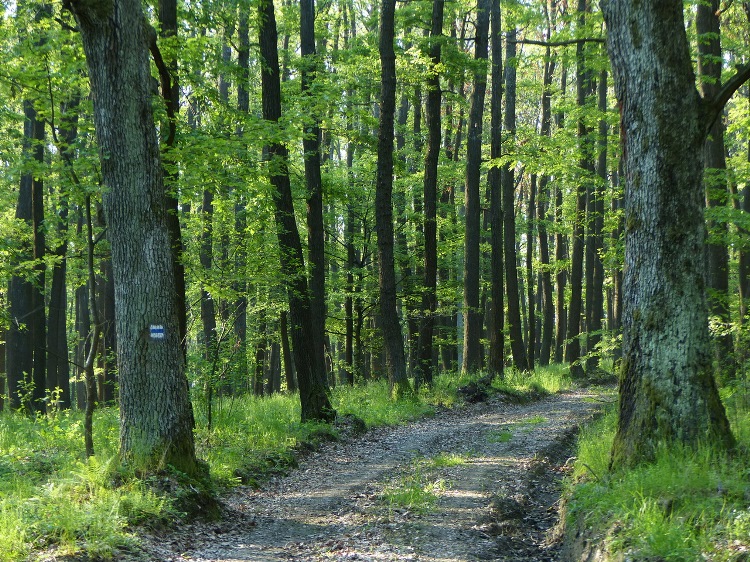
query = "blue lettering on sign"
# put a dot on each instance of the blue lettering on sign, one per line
(157, 331)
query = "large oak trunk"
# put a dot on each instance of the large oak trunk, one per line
(156, 414)
(667, 391)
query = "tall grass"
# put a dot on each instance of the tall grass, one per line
(689, 504)
(51, 497)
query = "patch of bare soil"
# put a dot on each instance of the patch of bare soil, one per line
(498, 503)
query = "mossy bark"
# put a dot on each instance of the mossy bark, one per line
(156, 414)
(667, 390)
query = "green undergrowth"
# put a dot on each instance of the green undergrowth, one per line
(687, 505)
(56, 503)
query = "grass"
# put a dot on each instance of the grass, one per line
(51, 497)
(687, 505)
(419, 489)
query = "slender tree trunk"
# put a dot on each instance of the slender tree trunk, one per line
(312, 382)
(432, 114)
(496, 317)
(391, 328)
(548, 307)
(286, 354)
(667, 390)
(531, 324)
(515, 329)
(471, 307)
(208, 304)
(156, 415)
(240, 210)
(596, 223)
(313, 179)
(744, 258)
(58, 367)
(37, 316)
(88, 366)
(561, 251)
(709, 71)
(575, 310)
(170, 91)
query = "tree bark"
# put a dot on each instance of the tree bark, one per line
(575, 309)
(315, 404)
(390, 325)
(496, 317)
(709, 77)
(471, 309)
(595, 300)
(430, 184)
(170, 91)
(508, 179)
(531, 323)
(314, 181)
(667, 390)
(156, 415)
(548, 307)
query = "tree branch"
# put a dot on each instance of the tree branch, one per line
(714, 106)
(560, 43)
(165, 77)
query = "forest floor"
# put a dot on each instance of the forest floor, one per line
(485, 481)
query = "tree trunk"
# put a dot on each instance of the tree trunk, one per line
(715, 179)
(170, 91)
(515, 329)
(575, 309)
(286, 354)
(313, 179)
(561, 252)
(548, 307)
(315, 404)
(531, 324)
(390, 325)
(26, 345)
(156, 415)
(208, 304)
(430, 184)
(471, 308)
(667, 390)
(240, 208)
(595, 301)
(496, 316)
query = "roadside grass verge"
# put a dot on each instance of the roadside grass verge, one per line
(687, 505)
(53, 500)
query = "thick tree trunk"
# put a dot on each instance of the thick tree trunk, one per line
(667, 390)
(312, 382)
(508, 179)
(390, 325)
(156, 414)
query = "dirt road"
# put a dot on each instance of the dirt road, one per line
(489, 476)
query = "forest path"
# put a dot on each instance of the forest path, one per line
(496, 500)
